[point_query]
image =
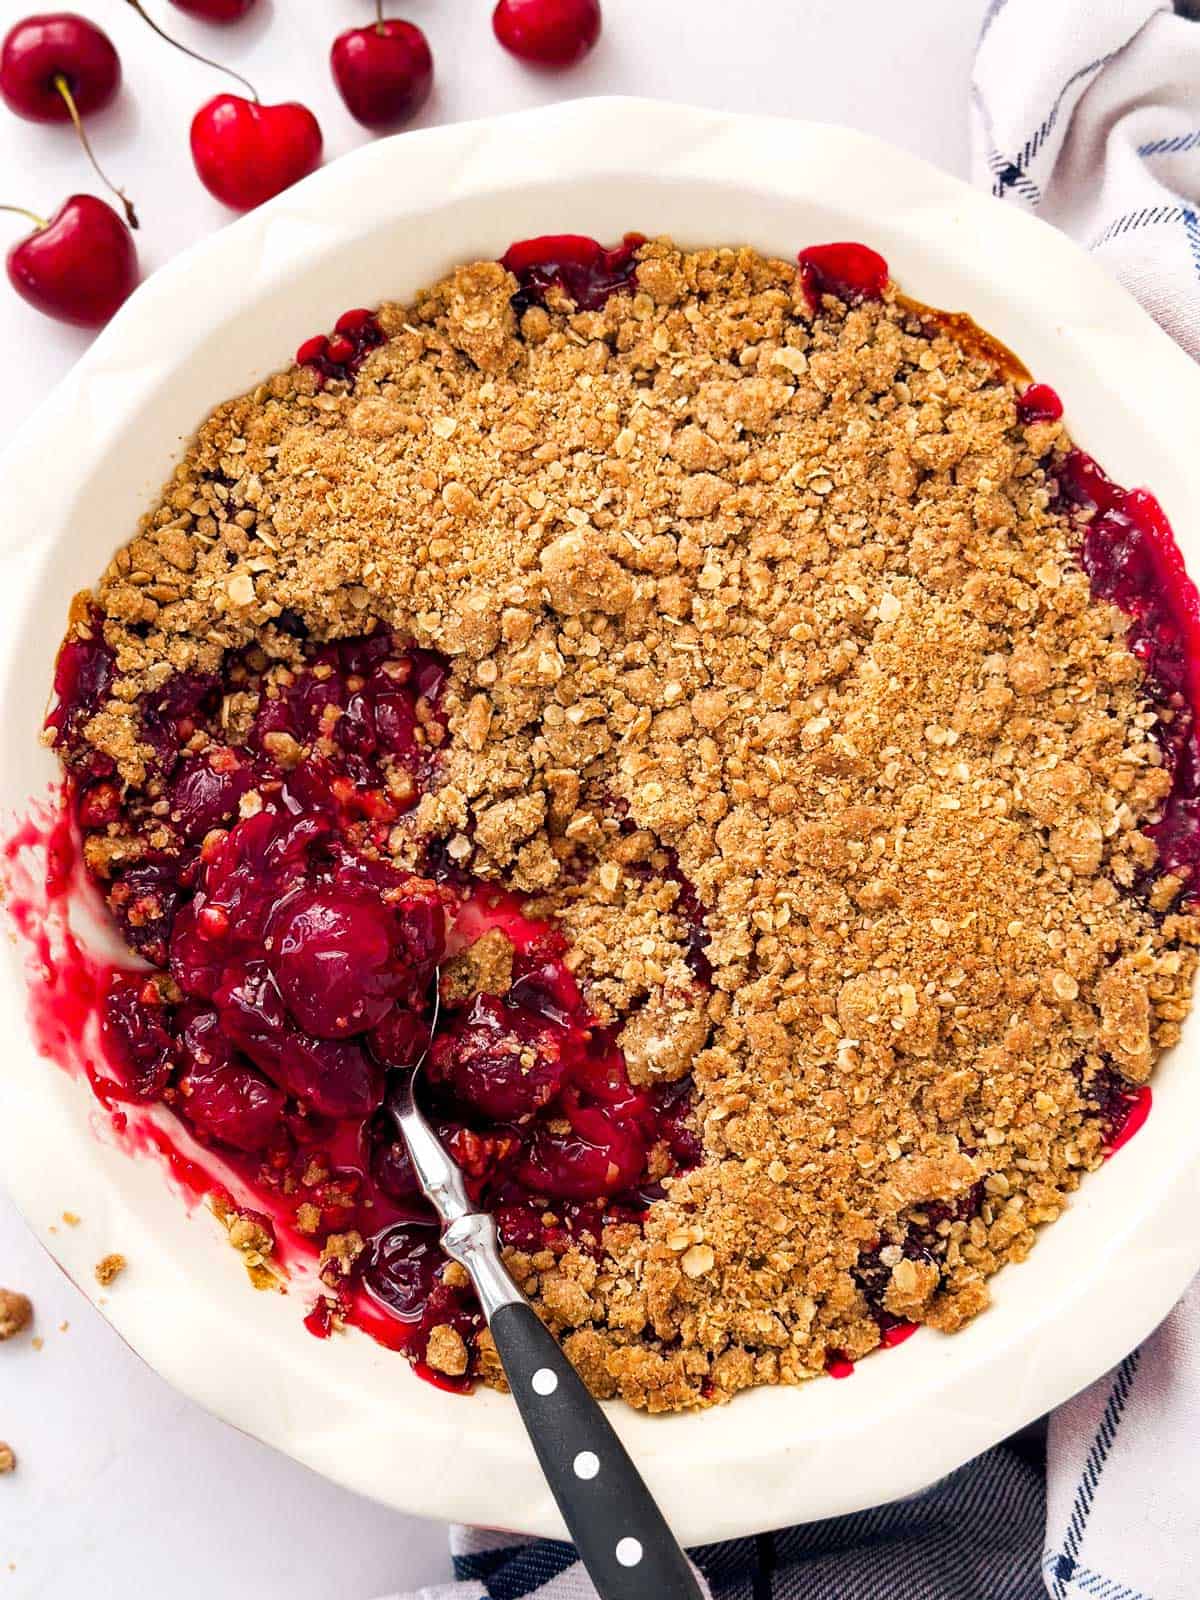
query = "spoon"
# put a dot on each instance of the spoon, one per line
(622, 1537)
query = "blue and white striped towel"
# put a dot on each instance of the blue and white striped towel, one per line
(1088, 113)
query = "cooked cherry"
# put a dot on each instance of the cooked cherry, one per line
(356, 333)
(570, 1166)
(1039, 403)
(583, 269)
(401, 1039)
(205, 791)
(83, 674)
(401, 1267)
(494, 1065)
(850, 272)
(135, 1030)
(143, 899)
(223, 1097)
(332, 956)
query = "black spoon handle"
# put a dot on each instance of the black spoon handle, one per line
(622, 1537)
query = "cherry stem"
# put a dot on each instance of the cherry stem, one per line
(378, 16)
(195, 54)
(20, 211)
(64, 89)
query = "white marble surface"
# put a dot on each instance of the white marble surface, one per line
(122, 1485)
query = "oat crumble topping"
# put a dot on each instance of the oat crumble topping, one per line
(780, 606)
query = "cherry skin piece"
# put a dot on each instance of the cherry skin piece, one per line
(547, 33)
(215, 10)
(246, 152)
(384, 72)
(80, 266)
(58, 44)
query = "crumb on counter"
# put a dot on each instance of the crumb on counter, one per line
(16, 1312)
(109, 1268)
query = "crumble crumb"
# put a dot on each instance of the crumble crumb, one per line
(484, 967)
(447, 1351)
(252, 1236)
(8, 1459)
(109, 1268)
(16, 1312)
(71, 1219)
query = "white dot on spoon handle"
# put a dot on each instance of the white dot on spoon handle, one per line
(629, 1552)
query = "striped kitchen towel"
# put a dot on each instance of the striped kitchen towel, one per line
(1086, 112)
(976, 1534)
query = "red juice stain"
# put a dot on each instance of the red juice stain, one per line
(40, 870)
(889, 1338)
(442, 1380)
(319, 1321)
(1139, 1109)
(195, 1181)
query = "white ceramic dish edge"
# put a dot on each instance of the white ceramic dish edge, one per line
(381, 223)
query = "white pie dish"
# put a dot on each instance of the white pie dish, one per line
(381, 223)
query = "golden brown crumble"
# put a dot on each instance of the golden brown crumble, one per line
(252, 1237)
(8, 1459)
(447, 1351)
(783, 604)
(16, 1312)
(109, 1268)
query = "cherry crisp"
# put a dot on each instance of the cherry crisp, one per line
(723, 677)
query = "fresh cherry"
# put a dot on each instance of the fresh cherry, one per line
(384, 72)
(42, 55)
(246, 152)
(215, 10)
(547, 33)
(79, 266)
(57, 68)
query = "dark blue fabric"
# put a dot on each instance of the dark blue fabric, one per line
(976, 1535)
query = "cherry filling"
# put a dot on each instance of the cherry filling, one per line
(1132, 560)
(290, 971)
(340, 354)
(580, 267)
(1039, 403)
(290, 962)
(851, 272)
